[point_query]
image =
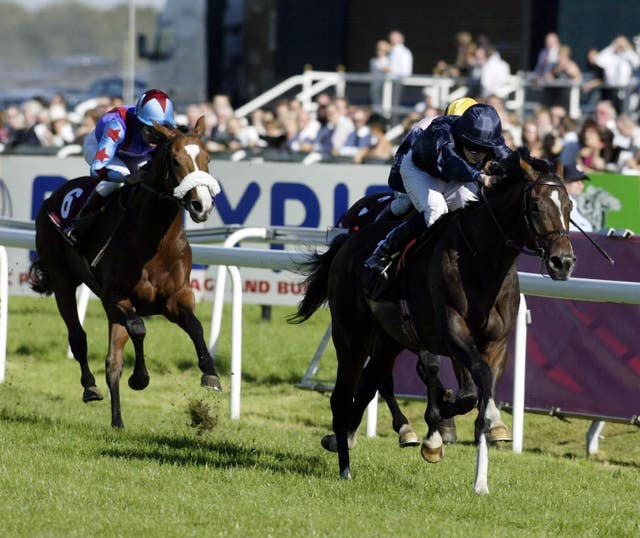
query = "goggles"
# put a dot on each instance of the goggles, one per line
(149, 133)
(476, 148)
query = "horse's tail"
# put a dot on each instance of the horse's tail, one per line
(317, 270)
(39, 279)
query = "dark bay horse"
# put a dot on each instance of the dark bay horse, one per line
(457, 295)
(137, 259)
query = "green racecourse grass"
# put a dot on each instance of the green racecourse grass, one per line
(65, 472)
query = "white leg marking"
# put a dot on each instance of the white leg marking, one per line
(482, 467)
(434, 441)
(491, 414)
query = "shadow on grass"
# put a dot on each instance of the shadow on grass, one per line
(185, 451)
(290, 378)
(180, 450)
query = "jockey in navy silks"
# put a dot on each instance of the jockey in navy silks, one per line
(439, 167)
(118, 149)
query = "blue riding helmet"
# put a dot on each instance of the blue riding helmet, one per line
(479, 125)
(155, 105)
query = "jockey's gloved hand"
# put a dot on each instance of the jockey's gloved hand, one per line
(135, 178)
(487, 181)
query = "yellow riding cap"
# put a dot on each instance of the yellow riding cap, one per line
(458, 106)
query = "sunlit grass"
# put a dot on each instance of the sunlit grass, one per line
(65, 472)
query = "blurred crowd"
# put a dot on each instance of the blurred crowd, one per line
(605, 138)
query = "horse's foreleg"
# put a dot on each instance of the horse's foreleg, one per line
(68, 308)
(444, 399)
(432, 445)
(463, 348)
(467, 395)
(496, 358)
(188, 321)
(113, 364)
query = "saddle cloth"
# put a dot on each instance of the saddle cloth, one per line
(71, 204)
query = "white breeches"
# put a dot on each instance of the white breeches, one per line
(431, 196)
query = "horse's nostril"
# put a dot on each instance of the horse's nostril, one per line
(197, 206)
(562, 263)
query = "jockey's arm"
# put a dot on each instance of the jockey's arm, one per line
(452, 166)
(112, 137)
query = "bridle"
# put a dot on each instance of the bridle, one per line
(542, 246)
(170, 179)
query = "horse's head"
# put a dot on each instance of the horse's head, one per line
(546, 212)
(187, 163)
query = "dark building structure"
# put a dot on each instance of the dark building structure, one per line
(253, 44)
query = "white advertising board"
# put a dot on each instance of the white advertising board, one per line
(253, 194)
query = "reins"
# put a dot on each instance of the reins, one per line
(539, 251)
(170, 179)
(525, 212)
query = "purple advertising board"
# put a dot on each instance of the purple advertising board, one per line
(582, 357)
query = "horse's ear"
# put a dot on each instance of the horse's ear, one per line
(165, 131)
(529, 172)
(199, 128)
(559, 168)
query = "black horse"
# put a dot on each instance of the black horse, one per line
(455, 294)
(137, 260)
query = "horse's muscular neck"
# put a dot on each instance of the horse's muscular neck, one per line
(157, 216)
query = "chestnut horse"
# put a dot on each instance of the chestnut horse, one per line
(457, 295)
(137, 259)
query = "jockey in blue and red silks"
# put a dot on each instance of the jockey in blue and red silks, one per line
(118, 149)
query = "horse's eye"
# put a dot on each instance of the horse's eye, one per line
(176, 162)
(535, 208)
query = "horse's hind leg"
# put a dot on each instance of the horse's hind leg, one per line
(351, 352)
(68, 308)
(188, 321)
(432, 445)
(123, 313)
(369, 382)
(118, 337)
(407, 436)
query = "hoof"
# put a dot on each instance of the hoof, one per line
(211, 382)
(407, 436)
(117, 424)
(499, 433)
(139, 383)
(448, 434)
(447, 429)
(346, 474)
(91, 394)
(329, 442)
(432, 455)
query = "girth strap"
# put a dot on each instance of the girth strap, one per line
(407, 323)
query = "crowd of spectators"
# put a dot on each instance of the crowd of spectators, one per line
(334, 129)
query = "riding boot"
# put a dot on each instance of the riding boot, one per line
(389, 249)
(76, 231)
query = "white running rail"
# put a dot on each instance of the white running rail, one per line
(580, 289)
